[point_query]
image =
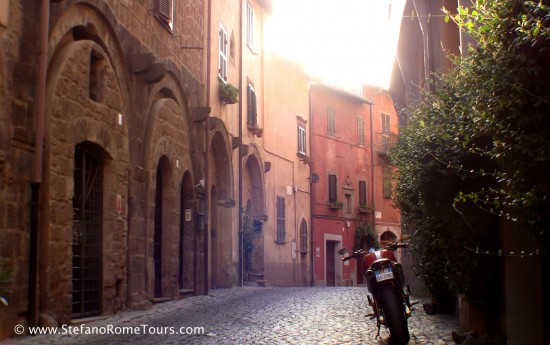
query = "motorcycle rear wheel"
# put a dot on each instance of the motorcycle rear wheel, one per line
(392, 305)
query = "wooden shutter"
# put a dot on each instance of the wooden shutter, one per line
(332, 196)
(222, 64)
(252, 109)
(362, 193)
(280, 219)
(164, 9)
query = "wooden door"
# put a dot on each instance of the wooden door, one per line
(331, 264)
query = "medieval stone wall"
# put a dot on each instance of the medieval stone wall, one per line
(123, 85)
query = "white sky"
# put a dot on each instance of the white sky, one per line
(347, 43)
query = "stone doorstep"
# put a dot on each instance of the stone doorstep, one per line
(186, 291)
(160, 300)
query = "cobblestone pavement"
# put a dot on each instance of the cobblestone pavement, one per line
(331, 315)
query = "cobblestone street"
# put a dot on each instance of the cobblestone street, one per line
(260, 316)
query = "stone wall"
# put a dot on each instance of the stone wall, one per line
(125, 86)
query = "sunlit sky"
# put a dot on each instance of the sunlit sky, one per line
(347, 43)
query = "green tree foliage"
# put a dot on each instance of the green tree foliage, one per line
(365, 237)
(476, 151)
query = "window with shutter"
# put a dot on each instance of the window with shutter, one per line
(301, 140)
(222, 63)
(362, 194)
(332, 194)
(165, 12)
(250, 25)
(360, 130)
(252, 116)
(331, 121)
(303, 237)
(280, 219)
(385, 130)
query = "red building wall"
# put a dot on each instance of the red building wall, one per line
(353, 159)
(343, 155)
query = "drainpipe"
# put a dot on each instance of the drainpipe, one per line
(40, 102)
(206, 152)
(312, 193)
(239, 160)
(372, 167)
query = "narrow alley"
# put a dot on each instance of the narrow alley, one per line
(328, 315)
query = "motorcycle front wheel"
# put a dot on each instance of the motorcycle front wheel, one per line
(392, 305)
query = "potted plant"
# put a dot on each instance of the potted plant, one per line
(336, 205)
(228, 93)
(364, 209)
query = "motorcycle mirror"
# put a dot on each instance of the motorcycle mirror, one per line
(343, 251)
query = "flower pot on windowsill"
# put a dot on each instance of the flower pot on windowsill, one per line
(228, 93)
(257, 131)
(364, 209)
(335, 205)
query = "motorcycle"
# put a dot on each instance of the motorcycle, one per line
(390, 303)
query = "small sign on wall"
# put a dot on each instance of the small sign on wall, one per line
(293, 249)
(188, 215)
(318, 252)
(289, 190)
(378, 215)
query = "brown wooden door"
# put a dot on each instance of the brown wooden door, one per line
(331, 264)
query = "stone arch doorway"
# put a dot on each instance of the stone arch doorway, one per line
(222, 239)
(187, 238)
(216, 247)
(387, 237)
(161, 181)
(87, 247)
(255, 215)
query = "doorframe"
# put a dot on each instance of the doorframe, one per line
(337, 263)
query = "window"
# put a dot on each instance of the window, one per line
(385, 129)
(332, 192)
(386, 182)
(222, 63)
(362, 193)
(348, 203)
(96, 87)
(303, 237)
(165, 13)
(250, 25)
(331, 121)
(301, 140)
(302, 148)
(280, 219)
(252, 119)
(360, 130)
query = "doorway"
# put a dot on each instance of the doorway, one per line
(331, 263)
(87, 233)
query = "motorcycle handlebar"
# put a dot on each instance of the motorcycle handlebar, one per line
(394, 246)
(348, 258)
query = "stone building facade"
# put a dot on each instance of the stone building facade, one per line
(101, 156)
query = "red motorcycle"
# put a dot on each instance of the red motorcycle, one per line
(390, 303)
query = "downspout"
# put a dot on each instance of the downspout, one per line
(239, 159)
(36, 182)
(372, 167)
(206, 153)
(312, 193)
